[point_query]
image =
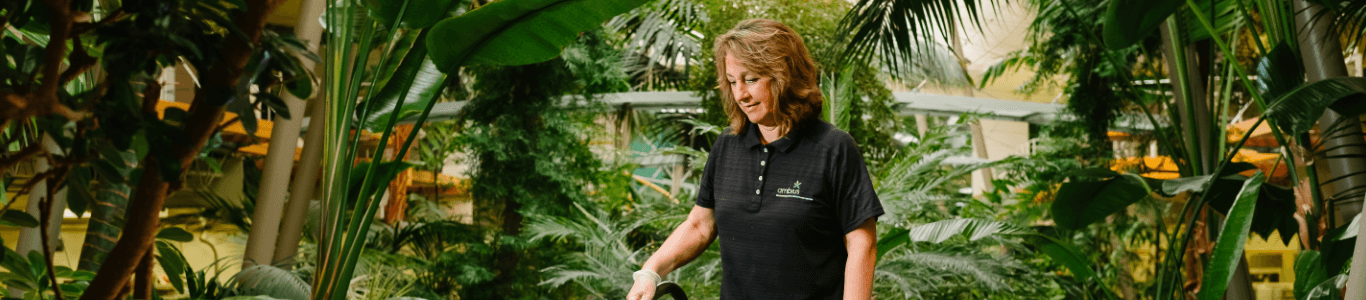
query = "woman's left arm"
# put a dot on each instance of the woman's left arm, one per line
(858, 270)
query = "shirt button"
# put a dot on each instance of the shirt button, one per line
(761, 178)
(761, 163)
(765, 149)
(756, 192)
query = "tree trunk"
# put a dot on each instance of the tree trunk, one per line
(145, 281)
(1342, 156)
(198, 127)
(508, 258)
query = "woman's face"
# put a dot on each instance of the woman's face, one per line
(750, 91)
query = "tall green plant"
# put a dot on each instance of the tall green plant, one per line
(503, 33)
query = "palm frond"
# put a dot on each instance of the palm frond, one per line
(265, 280)
(659, 34)
(974, 229)
(986, 271)
(905, 36)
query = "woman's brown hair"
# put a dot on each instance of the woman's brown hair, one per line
(771, 49)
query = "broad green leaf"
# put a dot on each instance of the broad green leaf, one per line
(1232, 238)
(1337, 252)
(1298, 111)
(18, 218)
(1329, 289)
(1080, 203)
(82, 275)
(1308, 272)
(1226, 18)
(974, 229)
(1073, 260)
(1185, 184)
(1349, 231)
(175, 234)
(416, 75)
(15, 263)
(301, 88)
(172, 262)
(419, 13)
(1129, 21)
(78, 196)
(386, 173)
(1279, 72)
(895, 238)
(518, 32)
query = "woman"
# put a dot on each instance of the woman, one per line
(787, 193)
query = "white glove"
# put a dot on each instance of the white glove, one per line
(644, 287)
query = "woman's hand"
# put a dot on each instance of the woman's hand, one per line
(644, 289)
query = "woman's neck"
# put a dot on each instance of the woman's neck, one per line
(768, 134)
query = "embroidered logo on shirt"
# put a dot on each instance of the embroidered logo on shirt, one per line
(793, 191)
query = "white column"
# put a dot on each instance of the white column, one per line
(270, 204)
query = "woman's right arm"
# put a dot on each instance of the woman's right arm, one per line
(687, 242)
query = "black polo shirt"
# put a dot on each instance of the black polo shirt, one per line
(782, 210)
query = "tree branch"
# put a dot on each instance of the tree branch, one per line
(80, 62)
(45, 218)
(83, 27)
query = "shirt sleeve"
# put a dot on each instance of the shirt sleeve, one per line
(857, 201)
(705, 192)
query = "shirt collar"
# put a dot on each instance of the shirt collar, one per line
(784, 144)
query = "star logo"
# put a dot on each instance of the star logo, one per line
(797, 185)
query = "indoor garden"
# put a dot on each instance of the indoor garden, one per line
(546, 149)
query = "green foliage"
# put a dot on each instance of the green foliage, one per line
(501, 33)
(1129, 22)
(1228, 251)
(1081, 203)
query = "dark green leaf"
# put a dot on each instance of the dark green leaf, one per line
(172, 262)
(1080, 203)
(78, 196)
(1298, 111)
(386, 173)
(1129, 21)
(213, 164)
(18, 218)
(974, 229)
(1226, 18)
(1177, 186)
(517, 32)
(1228, 251)
(1329, 289)
(37, 264)
(418, 14)
(301, 87)
(175, 234)
(109, 172)
(82, 275)
(275, 103)
(415, 75)
(1336, 252)
(1308, 272)
(1350, 231)
(1069, 257)
(1279, 72)
(62, 271)
(16, 264)
(894, 238)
